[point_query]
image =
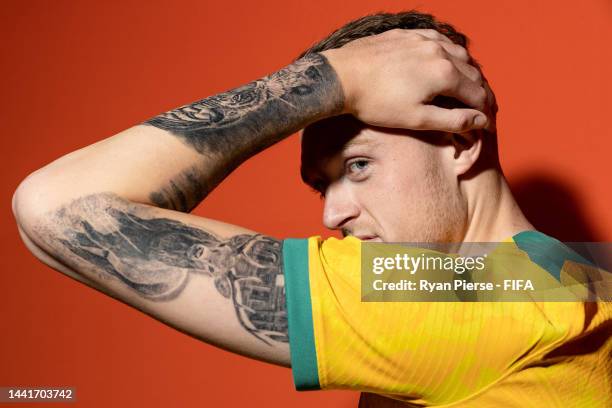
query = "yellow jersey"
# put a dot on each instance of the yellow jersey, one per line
(451, 354)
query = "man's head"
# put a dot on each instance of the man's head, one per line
(389, 184)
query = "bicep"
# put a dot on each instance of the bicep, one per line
(217, 282)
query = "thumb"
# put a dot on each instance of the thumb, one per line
(456, 120)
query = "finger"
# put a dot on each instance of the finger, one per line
(459, 59)
(469, 71)
(450, 120)
(491, 108)
(431, 34)
(454, 49)
(446, 43)
(456, 85)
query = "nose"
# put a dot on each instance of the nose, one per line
(340, 206)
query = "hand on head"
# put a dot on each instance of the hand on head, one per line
(391, 79)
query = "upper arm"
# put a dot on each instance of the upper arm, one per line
(220, 283)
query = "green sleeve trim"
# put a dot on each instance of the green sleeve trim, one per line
(547, 252)
(299, 310)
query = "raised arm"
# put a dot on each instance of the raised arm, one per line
(113, 214)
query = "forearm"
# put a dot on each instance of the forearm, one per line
(175, 159)
(228, 128)
(197, 275)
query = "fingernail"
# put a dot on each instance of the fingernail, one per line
(480, 121)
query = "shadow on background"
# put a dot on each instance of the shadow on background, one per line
(553, 208)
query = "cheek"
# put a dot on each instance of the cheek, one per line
(409, 201)
(406, 181)
(397, 199)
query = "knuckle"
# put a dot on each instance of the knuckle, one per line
(431, 32)
(415, 35)
(446, 71)
(482, 98)
(477, 75)
(394, 32)
(419, 120)
(462, 53)
(433, 48)
(482, 95)
(460, 122)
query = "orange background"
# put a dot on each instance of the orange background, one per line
(75, 72)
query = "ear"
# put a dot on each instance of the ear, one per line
(467, 148)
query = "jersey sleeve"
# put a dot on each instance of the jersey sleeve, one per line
(422, 352)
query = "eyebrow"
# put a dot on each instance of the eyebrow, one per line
(358, 142)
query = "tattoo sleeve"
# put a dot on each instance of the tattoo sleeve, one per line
(229, 127)
(121, 244)
(156, 257)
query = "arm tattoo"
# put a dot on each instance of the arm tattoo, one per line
(274, 106)
(156, 257)
(183, 192)
(230, 127)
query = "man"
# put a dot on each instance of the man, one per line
(424, 169)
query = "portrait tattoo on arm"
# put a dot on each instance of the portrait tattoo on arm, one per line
(230, 127)
(276, 104)
(156, 257)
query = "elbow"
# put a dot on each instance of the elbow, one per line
(29, 204)
(31, 213)
(23, 202)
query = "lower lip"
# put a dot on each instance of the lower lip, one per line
(374, 239)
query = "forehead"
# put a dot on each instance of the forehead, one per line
(326, 144)
(327, 139)
(364, 139)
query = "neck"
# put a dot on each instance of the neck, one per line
(493, 214)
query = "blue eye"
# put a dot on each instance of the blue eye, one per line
(358, 165)
(358, 169)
